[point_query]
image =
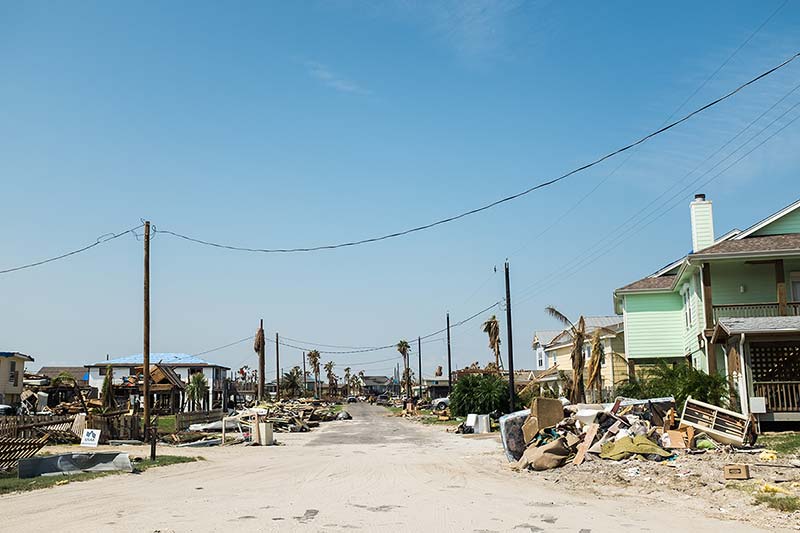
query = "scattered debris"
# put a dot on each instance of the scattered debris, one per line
(73, 463)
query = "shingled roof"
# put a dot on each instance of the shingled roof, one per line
(650, 283)
(764, 244)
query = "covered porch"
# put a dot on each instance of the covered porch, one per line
(763, 364)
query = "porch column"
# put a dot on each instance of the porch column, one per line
(708, 305)
(780, 286)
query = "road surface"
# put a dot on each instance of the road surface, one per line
(372, 473)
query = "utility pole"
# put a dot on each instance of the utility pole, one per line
(277, 367)
(305, 388)
(261, 361)
(146, 332)
(419, 355)
(449, 360)
(510, 341)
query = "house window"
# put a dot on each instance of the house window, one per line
(12, 372)
(103, 370)
(794, 277)
(195, 371)
(687, 309)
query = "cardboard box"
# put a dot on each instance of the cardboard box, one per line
(736, 471)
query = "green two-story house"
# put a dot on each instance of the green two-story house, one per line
(731, 306)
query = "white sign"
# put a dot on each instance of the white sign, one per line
(91, 437)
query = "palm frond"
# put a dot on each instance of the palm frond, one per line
(555, 313)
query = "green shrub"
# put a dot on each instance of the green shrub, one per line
(681, 381)
(479, 393)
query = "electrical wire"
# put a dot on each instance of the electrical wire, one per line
(608, 176)
(634, 221)
(623, 238)
(501, 200)
(102, 239)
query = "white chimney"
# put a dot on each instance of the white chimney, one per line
(702, 223)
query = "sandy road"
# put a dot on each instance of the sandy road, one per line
(373, 473)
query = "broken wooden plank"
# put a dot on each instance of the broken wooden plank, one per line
(591, 433)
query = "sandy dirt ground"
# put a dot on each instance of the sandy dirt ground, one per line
(372, 473)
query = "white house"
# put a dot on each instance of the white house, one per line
(183, 364)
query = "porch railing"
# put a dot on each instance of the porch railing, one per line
(754, 310)
(780, 396)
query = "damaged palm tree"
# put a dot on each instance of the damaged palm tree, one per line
(407, 381)
(577, 393)
(332, 378)
(259, 347)
(313, 361)
(403, 347)
(596, 360)
(492, 328)
(347, 381)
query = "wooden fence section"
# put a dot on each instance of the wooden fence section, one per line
(119, 427)
(184, 420)
(122, 427)
(32, 426)
(12, 450)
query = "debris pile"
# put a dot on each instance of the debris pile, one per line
(549, 434)
(256, 424)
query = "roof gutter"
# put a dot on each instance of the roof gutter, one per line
(694, 258)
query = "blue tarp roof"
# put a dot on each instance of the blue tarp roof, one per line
(163, 358)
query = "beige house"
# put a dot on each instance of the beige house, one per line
(614, 366)
(12, 370)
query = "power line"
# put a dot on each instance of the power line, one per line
(621, 238)
(102, 239)
(496, 202)
(234, 343)
(632, 223)
(675, 112)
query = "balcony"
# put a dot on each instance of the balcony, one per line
(754, 310)
(780, 396)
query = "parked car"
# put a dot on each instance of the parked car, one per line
(383, 399)
(7, 410)
(440, 404)
(352, 399)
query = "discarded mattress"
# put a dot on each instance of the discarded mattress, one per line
(74, 463)
(511, 434)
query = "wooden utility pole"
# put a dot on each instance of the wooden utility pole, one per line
(419, 356)
(277, 367)
(146, 332)
(261, 361)
(449, 360)
(510, 341)
(304, 374)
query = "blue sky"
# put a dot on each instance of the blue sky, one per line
(294, 124)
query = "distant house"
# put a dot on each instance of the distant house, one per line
(183, 365)
(12, 370)
(376, 385)
(730, 306)
(435, 387)
(540, 340)
(614, 366)
(78, 373)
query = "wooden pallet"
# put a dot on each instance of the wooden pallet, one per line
(12, 450)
